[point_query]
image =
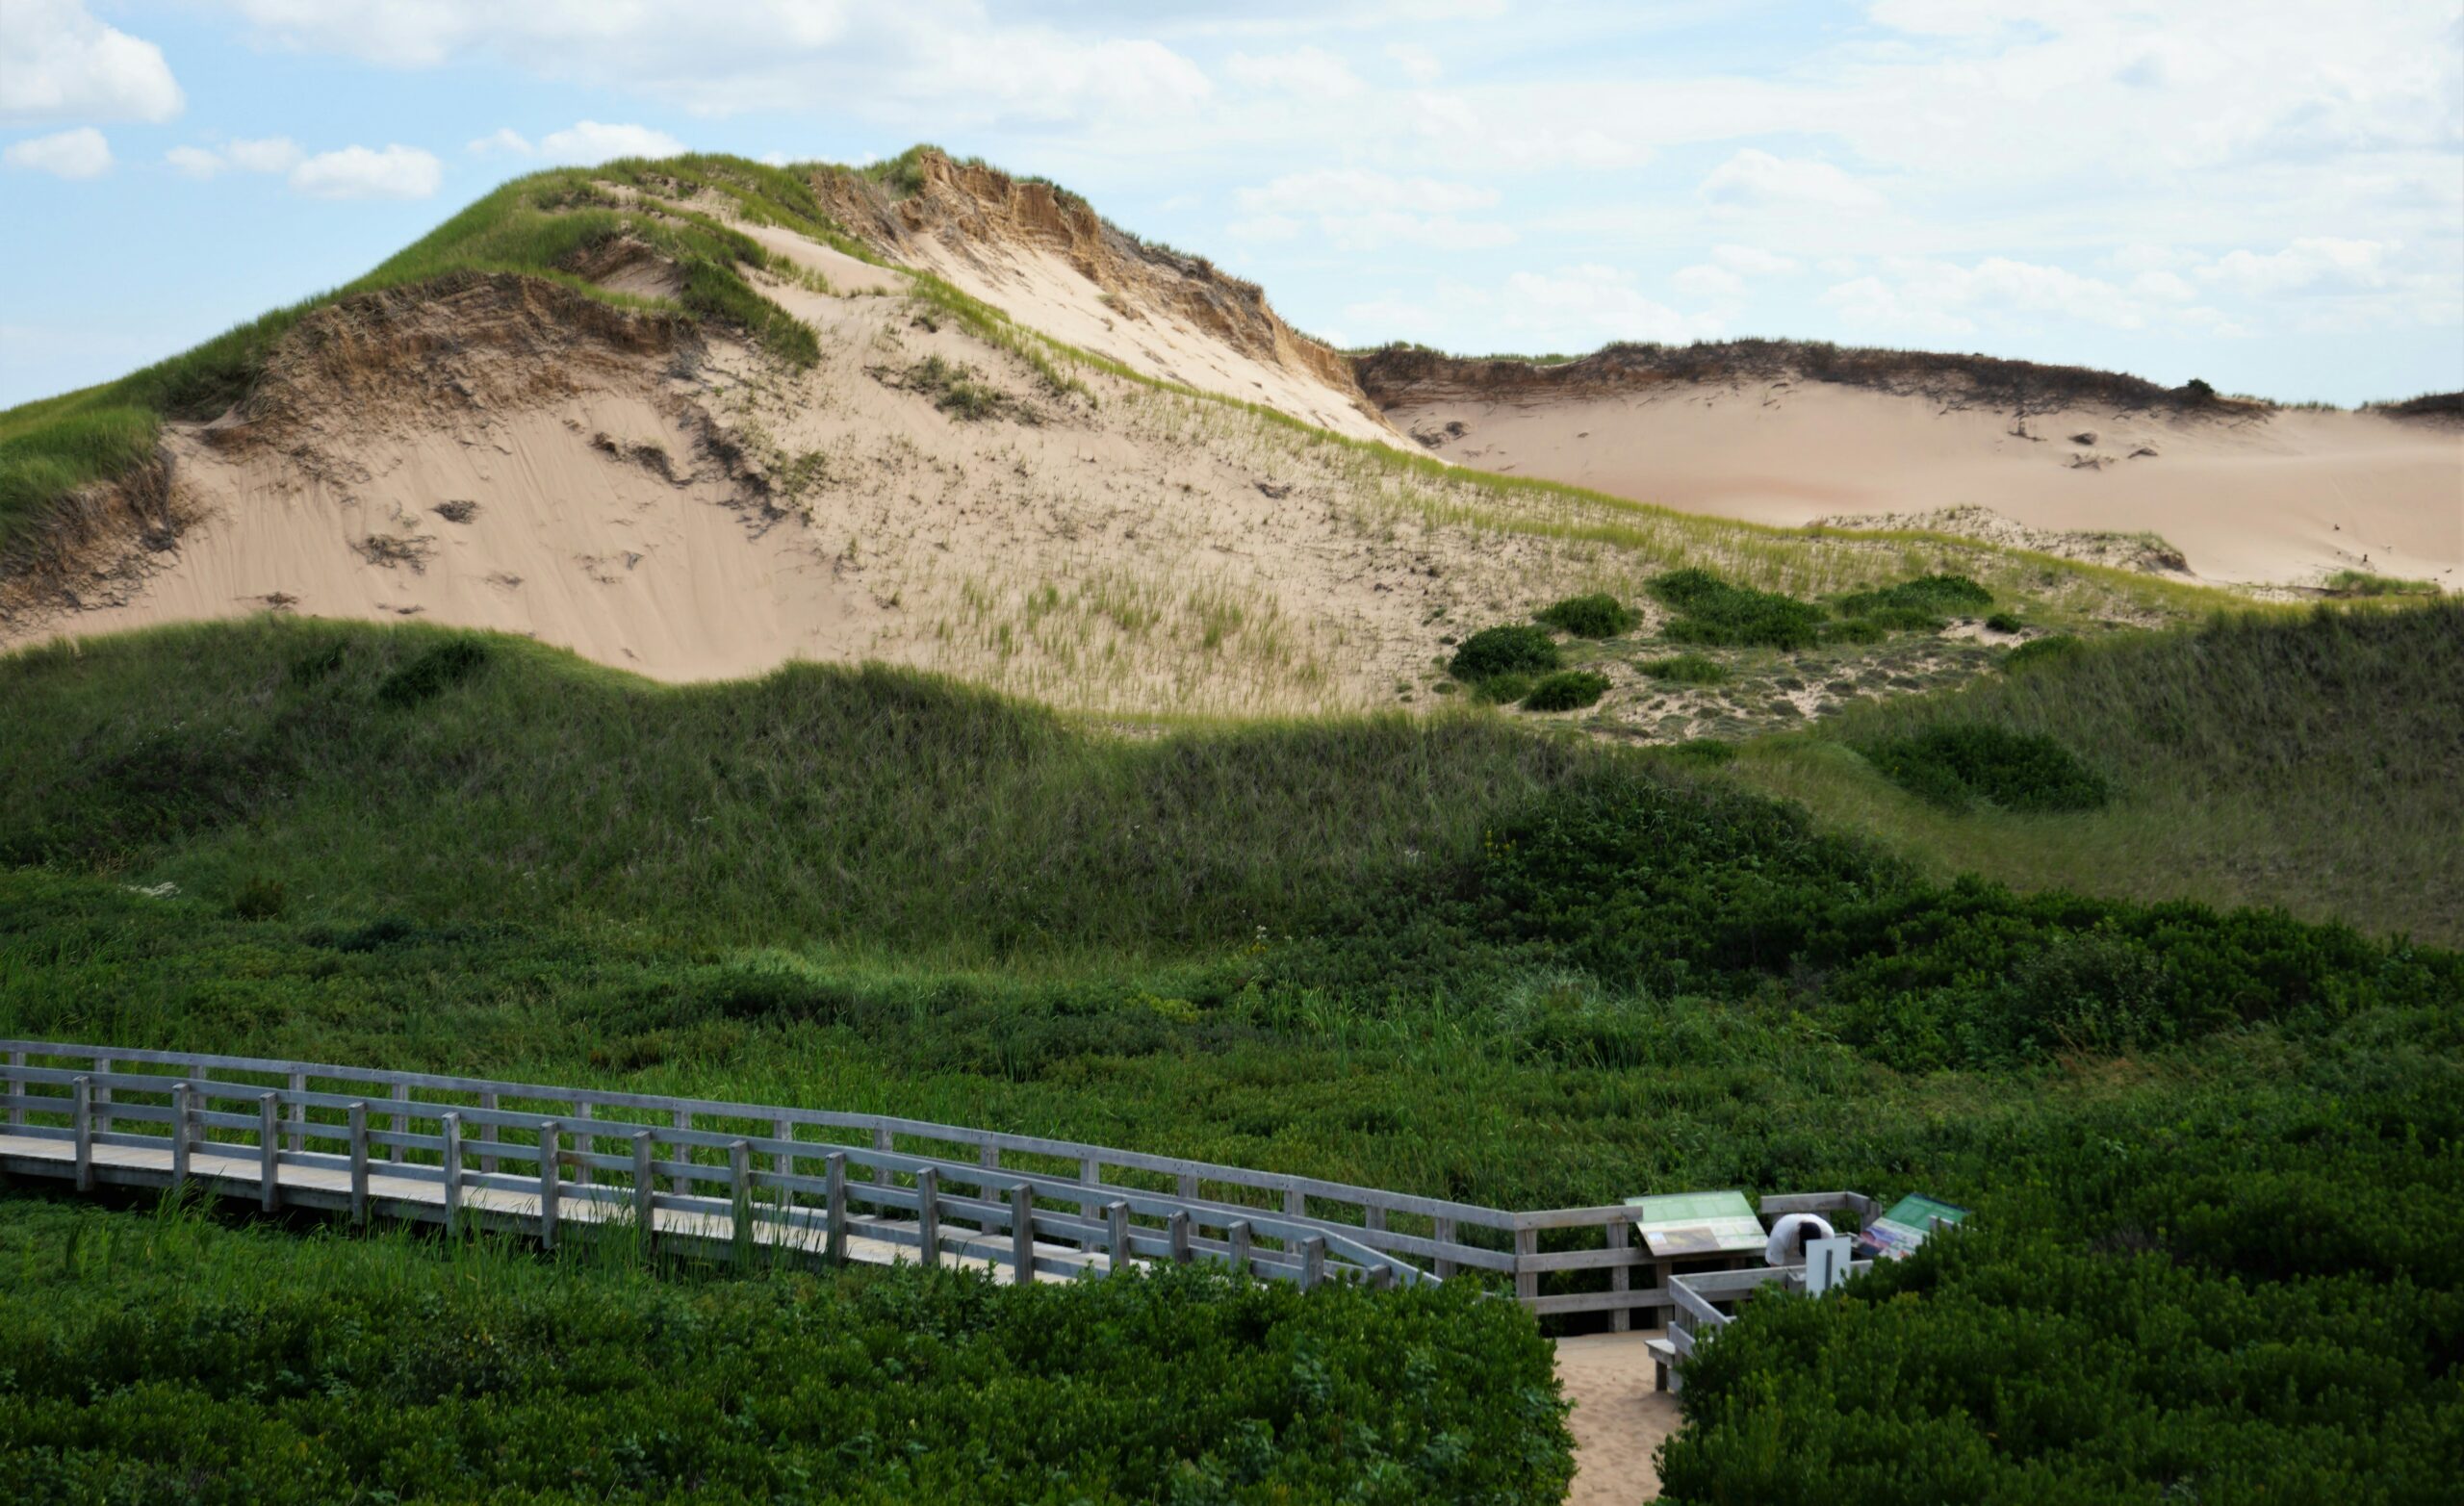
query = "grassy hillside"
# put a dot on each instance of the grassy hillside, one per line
(2308, 762)
(1443, 956)
(533, 224)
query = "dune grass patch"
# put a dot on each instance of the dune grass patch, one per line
(1567, 690)
(1709, 610)
(1597, 615)
(1510, 650)
(1957, 763)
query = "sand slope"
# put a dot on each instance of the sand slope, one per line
(2280, 500)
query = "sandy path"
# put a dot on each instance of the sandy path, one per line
(1619, 1421)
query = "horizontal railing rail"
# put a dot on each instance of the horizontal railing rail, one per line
(533, 1155)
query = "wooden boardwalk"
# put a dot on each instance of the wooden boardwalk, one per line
(724, 1178)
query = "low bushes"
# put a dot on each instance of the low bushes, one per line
(1567, 690)
(1959, 763)
(1929, 596)
(146, 1359)
(1596, 616)
(2040, 651)
(1709, 610)
(1514, 649)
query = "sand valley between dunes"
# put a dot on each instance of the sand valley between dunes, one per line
(2283, 498)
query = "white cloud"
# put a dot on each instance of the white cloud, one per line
(402, 172)
(82, 153)
(195, 161)
(1311, 72)
(588, 143)
(504, 138)
(1708, 284)
(2311, 262)
(1916, 296)
(1419, 63)
(1575, 308)
(1748, 261)
(269, 154)
(1361, 210)
(1333, 190)
(57, 63)
(947, 66)
(1755, 179)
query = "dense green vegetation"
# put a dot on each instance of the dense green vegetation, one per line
(1707, 609)
(1439, 956)
(164, 1359)
(1956, 764)
(1512, 649)
(2301, 760)
(1567, 690)
(1598, 615)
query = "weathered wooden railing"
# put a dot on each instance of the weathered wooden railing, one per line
(530, 1157)
(1695, 1312)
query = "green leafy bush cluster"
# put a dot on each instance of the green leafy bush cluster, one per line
(1598, 615)
(1686, 669)
(1957, 763)
(1513, 649)
(1647, 886)
(2040, 651)
(1709, 610)
(2260, 1302)
(1567, 690)
(153, 1360)
(1932, 596)
(2005, 622)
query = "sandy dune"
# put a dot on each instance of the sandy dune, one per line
(2281, 499)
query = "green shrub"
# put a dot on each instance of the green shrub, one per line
(1956, 763)
(1921, 603)
(1513, 649)
(1598, 615)
(1709, 610)
(1686, 669)
(1500, 689)
(197, 1363)
(2040, 651)
(259, 899)
(1567, 690)
(2362, 583)
(434, 672)
(2005, 622)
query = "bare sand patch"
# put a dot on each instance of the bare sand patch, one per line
(1619, 1421)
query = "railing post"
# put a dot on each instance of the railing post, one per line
(102, 1097)
(450, 1125)
(1188, 1186)
(784, 1162)
(645, 1192)
(1621, 1320)
(1022, 1235)
(881, 1142)
(835, 1205)
(488, 1135)
(1176, 1231)
(1237, 1238)
(550, 1191)
(1527, 1283)
(1296, 1203)
(1444, 1234)
(1091, 1173)
(1117, 1229)
(180, 1111)
(17, 1090)
(1313, 1262)
(928, 1215)
(359, 1164)
(268, 1152)
(740, 1197)
(84, 1119)
(682, 1185)
(402, 1123)
(298, 1113)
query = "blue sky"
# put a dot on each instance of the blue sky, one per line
(2268, 196)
